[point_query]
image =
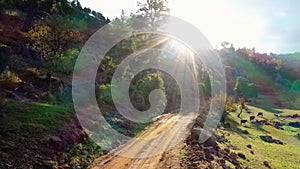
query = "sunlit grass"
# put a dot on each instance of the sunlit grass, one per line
(32, 117)
(278, 156)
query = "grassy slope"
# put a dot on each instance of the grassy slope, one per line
(34, 117)
(260, 77)
(278, 156)
(33, 122)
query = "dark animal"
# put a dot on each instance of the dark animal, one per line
(295, 116)
(266, 163)
(252, 118)
(276, 115)
(248, 111)
(226, 125)
(260, 114)
(244, 121)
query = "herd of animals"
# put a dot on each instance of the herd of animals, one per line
(259, 114)
(251, 118)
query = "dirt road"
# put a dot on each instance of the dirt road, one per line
(149, 148)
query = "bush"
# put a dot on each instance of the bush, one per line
(103, 93)
(33, 72)
(9, 76)
(244, 88)
(230, 104)
(147, 83)
(62, 98)
(65, 62)
(295, 86)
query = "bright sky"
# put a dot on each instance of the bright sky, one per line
(267, 25)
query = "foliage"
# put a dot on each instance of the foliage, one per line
(147, 83)
(84, 153)
(103, 93)
(54, 35)
(61, 98)
(244, 88)
(33, 72)
(230, 104)
(154, 12)
(9, 76)
(252, 91)
(64, 62)
(205, 86)
(295, 86)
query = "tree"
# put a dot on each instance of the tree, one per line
(244, 88)
(240, 86)
(52, 36)
(241, 106)
(229, 107)
(154, 12)
(295, 86)
(225, 44)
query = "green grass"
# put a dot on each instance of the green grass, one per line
(32, 118)
(278, 156)
(84, 153)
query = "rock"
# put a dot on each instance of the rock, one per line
(294, 124)
(241, 155)
(200, 134)
(54, 138)
(62, 158)
(54, 142)
(269, 139)
(47, 163)
(249, 146)
(14, 96)
(243, 131)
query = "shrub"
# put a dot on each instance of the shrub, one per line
(33, 72)
(103, 93)
(9, 76)
(295, 86)
(244, 88)
(65, 62)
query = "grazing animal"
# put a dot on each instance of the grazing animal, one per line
(244, 121)
(276, 115)
(260, 114)
(252, 118)
(248, 111)
(226, 125)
